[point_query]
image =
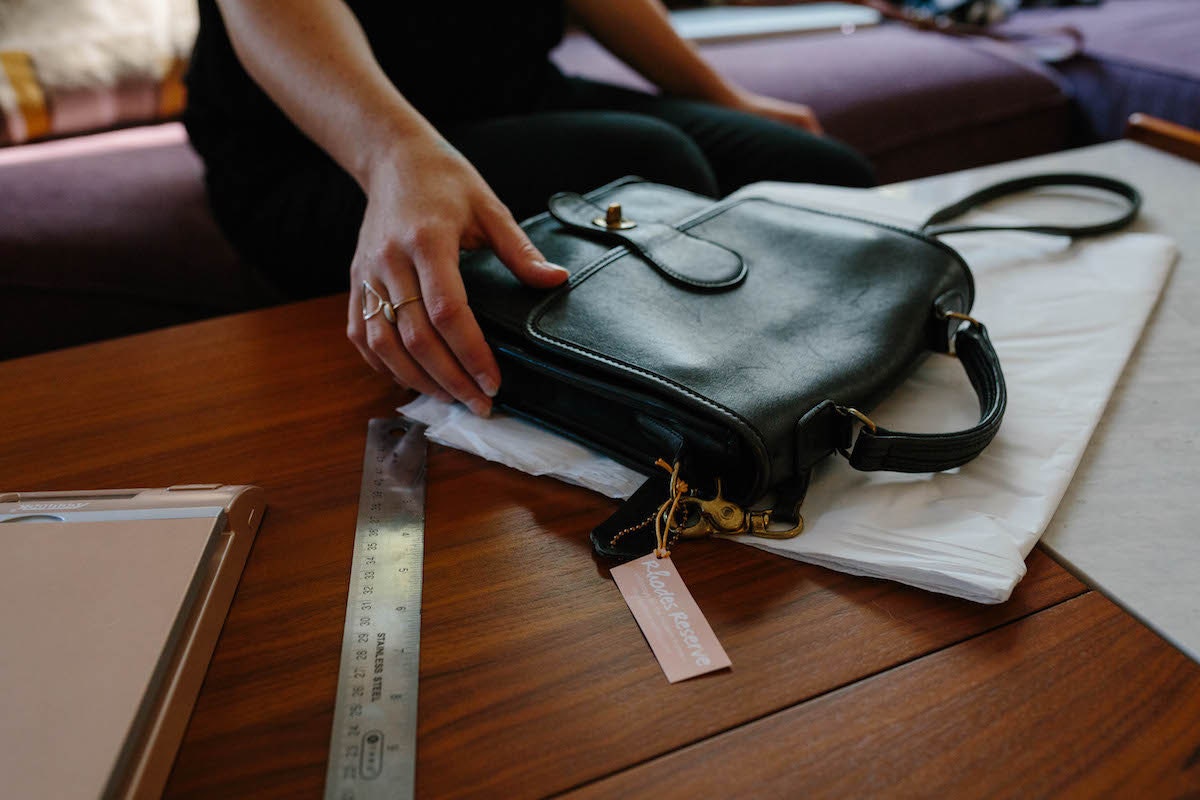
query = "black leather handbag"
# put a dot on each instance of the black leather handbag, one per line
(723, 348)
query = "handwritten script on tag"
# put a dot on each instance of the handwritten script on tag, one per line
(677, 631)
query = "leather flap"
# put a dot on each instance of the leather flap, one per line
(682, 258)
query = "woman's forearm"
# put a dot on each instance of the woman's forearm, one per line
(313, 59)
(639, 33)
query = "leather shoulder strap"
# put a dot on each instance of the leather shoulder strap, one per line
(934, 225)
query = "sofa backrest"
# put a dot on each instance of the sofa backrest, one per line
(74, 66)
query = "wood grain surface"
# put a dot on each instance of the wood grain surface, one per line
(1078, 701)
(534, 677)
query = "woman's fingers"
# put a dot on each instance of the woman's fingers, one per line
(784, 111)
(379, 342)
(385, 342)
(445, 304)
(515, 250)
(400, 338)
(433, 342)
(356, 330)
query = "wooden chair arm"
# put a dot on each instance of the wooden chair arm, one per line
(1164, 135)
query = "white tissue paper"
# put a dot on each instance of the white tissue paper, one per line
(1063, 318)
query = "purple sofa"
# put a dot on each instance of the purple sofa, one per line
(1138, 56)
(108, 234)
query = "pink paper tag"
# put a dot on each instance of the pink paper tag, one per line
(677, 631)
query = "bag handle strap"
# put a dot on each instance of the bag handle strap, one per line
(877, 448)
(933, 226)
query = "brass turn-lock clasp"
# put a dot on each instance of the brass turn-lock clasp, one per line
(614, 220)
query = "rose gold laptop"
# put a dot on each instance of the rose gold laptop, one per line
(110, 607)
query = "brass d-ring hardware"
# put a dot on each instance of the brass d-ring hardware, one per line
(613, 220)
(962, 317)
(861, 417)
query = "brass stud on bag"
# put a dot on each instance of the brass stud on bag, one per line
(613, 220)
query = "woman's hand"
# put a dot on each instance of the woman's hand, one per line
(791, 113)
(425, 203)
(642, 36)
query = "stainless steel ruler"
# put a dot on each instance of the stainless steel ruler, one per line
(373, 749)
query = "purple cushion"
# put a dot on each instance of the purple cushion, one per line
(110, 234)
(914, 103)
(1138, 55)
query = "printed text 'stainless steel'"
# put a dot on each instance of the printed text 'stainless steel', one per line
(374, 744)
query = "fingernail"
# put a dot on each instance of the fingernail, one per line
(553, 267)
(487, 385)
(481, 408)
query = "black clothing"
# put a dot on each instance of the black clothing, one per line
(452, 60)
(530, 131)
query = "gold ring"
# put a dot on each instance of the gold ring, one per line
(407, 300)
(381, 303)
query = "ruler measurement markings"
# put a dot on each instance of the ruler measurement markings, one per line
(373, 747)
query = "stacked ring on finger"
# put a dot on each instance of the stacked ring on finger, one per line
(382, 303)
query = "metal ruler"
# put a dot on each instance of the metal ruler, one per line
(372, 752)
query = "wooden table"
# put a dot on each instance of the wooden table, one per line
(534, 677)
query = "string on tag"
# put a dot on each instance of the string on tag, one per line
(664, 519)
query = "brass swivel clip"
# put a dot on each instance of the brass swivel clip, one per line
(717, 516)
